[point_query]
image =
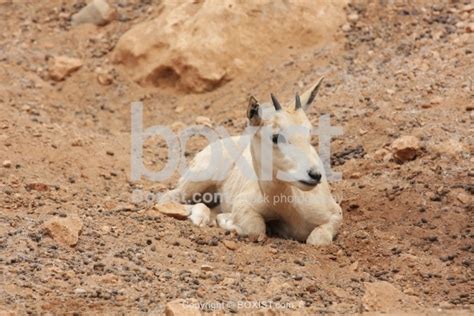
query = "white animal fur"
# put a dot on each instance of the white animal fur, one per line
(295, 210)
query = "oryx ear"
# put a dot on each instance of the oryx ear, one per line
(254, 112)
(308, 97)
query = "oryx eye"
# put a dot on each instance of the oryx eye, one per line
(278, 138)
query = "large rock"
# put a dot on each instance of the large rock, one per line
(172, 209)
(97, 12)
(383, 297)
(65, 231)
(198, 45)
(180, 307)
(405, 148)
(62, 66)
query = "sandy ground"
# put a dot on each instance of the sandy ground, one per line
(406, 242)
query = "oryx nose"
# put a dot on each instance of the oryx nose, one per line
(314, 174)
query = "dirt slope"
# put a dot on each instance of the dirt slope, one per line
(406, 242)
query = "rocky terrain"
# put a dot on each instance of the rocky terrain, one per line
(399, 81)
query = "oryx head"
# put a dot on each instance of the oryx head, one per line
(282, 144)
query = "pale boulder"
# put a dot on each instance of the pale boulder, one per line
(173, 209)
(383, 297)
(97, 12)
(405, 148)
(180, 307)
(198, 46)
(62, 66)
(64, 231)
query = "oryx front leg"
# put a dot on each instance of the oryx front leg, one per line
(224, 220)
(244, 222)
(248, 222)
(324, 234)
(200, 215)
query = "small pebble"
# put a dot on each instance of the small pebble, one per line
(206, 267)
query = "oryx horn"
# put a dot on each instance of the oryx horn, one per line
(297, 102)
(276, 104)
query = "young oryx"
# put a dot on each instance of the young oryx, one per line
(277, 182)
